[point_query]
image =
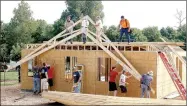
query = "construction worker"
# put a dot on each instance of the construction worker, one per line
(84, 29)
(44, 78)
(146, 84)
(76, 80)
(36, 80)
(67, 24)
(99, 28)
(124, 27)
(50, 75)
(112, 80)
(122, 82)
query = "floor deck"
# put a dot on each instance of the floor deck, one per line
(90, 99)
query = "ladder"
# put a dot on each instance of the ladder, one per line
(174, 76)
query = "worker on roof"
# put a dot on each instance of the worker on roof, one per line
(67, 24)
(124, 27)
(99, 28)
(146, 84)
(84, 29)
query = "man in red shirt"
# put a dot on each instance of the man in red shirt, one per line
(112, 82)
(50, 75)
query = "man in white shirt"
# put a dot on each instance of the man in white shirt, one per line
(122, 82)
(99, 28)
(84, 29)
(67, 24)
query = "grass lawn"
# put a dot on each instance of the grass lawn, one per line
(12, 75)
(11, 78)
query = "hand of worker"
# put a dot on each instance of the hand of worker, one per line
(129, 30)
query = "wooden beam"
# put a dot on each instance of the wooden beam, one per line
(182, 60)
(42, 51)
(68, 98)
(113, 56)
(55, 37)
(138, 76)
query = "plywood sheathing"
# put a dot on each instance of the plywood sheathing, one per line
(88, 99)
(142, 61)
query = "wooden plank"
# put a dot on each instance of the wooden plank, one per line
(90, 99)
(112, 55)
(121, 55)
(43, 50)
(183, 61)
(135, 72)
(54, 38)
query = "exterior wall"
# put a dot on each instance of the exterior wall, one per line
(165, 84)
(142, 61)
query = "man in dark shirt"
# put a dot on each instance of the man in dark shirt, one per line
(36, 80)
(44, 78)
(76, 80)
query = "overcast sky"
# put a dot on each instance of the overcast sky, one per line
(140, 13)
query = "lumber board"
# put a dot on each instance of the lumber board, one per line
(54, 38)
(68, 98)
(116, 43)
(43, 50)
(183, 61)
(113, 56)
(122, 56)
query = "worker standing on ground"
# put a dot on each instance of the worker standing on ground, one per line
(124, 27)
(76, 80)
(69, 23)
(44, 78)
(36, 80)
(84, 29)
(50, 75)
(99, 28)
(146, 84)
(112, 80)
(122, 82)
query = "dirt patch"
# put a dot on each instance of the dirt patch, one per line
(12, 95)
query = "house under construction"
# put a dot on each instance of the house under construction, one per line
(95, 59)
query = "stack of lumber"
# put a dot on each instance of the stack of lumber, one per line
(68, 98)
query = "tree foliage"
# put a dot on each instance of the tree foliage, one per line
(152, 34)
(138, 35)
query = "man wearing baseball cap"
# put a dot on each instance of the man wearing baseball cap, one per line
(124, 27)
(146, 84)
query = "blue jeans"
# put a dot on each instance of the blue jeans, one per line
(144, 89)
(36, 84)
(77, 89)
(122, 31)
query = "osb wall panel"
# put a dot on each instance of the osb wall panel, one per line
(165, 84)
(142, 61)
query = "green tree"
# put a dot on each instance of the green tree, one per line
(76, 9)
(152, 34)
(3, 46)
(43, 31)
(3, 53)
(169, 33)
(182, 33)
(112, 33)
(21, 26)
(138, 35)
(15, 53)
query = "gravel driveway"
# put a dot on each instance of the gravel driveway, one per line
(12, 95)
